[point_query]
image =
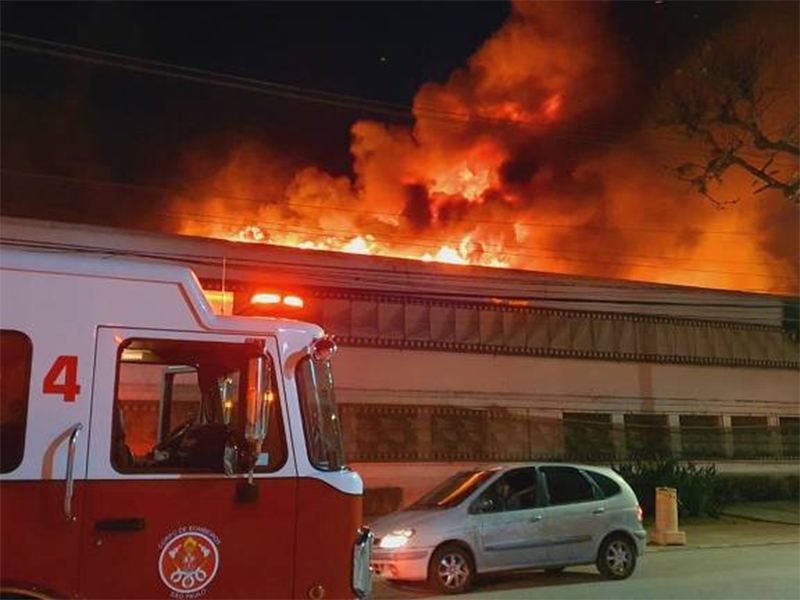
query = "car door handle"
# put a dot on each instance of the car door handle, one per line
(130, 524)
(535, 519)
(599, 511)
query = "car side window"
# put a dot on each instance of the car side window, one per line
(15, 373)
(567, 485)
(605, 483)
(515, 490)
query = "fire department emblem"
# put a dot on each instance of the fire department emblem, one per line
(189, 560)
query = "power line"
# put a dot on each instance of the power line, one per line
(417, 242)
(261, 203)
(325, 232)
(436, 243)
(196, 75)
(211, 260)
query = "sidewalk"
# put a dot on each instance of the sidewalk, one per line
(784, 511)
(751, 524)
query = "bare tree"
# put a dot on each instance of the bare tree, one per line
(722, 100)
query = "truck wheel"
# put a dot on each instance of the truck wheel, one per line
(616, 558)
(451, 570)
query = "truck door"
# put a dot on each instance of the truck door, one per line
(164, 515)
(45, 383)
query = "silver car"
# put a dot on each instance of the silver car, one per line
(512, 517)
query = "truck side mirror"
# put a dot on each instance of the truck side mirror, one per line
(259, 399)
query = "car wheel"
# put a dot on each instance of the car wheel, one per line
(617, 557)
(554, 570)
(451, 570)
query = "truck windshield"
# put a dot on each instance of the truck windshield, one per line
(320, 415)
(452, 491)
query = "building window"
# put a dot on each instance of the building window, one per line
(751, 437)
(15, 374)
(790, 436)
(588, 435)
(647, 435)
(702, 436)
(181, 406)
(380, 433)
(459, 434)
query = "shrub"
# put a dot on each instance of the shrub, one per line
(758, 488)
(699, 492)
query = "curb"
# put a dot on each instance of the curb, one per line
(760, 519)
(656, 549)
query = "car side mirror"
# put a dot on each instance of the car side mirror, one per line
(483, 505)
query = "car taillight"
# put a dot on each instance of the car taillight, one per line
(639, 513)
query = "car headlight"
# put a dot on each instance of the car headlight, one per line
(396, 539)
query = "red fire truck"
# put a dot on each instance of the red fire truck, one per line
(152, 448)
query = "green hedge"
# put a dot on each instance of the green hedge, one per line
(701, 490)
(698, 492)
(760, 488)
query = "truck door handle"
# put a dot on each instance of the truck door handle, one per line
(599, 511)
(131, 524)
(75, 430)
(535, 519)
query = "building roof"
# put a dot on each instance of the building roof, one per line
(241, 265)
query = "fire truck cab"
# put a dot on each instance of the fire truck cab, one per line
(152, 448)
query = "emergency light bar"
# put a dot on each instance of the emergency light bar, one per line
(271, 298)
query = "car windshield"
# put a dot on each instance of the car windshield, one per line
(453, 491)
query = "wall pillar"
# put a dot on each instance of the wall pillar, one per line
(728, 435)
(424, 432)
(675, 441)
(774, 427)
(618, 433)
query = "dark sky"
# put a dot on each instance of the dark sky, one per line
(66, 118)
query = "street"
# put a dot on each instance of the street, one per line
(762, 572)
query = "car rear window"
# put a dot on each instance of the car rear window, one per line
(566, 485)
(605, 483)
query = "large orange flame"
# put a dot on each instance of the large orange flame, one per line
(510, 164)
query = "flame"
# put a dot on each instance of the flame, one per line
(464, 181)
(552, 106)
(509, 164)
(466, 252)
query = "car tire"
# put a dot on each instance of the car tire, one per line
(451, 569)
(617, 557)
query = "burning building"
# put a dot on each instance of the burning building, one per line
(542, 153)
(443, 365)
(512, 268)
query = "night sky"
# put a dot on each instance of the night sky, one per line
(69, 118)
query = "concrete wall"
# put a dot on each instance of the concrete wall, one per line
(388, 376)
(549, 387)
